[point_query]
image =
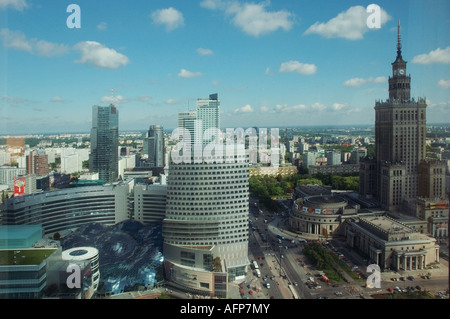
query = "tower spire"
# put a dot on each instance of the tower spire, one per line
(399, 40)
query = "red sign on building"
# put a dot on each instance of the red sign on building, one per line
(19, 186)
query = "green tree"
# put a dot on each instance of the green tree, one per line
(217, 265)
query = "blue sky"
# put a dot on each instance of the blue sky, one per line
(273, 63)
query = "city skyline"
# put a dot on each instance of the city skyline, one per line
(274, 64)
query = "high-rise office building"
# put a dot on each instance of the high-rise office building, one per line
(400, 172)
(188, 120)
(309, 159)
(155, 146)
(333, 157)
(205, 229)
(104, 156)
(37, 163)
(208, 112)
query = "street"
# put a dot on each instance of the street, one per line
(283, 265)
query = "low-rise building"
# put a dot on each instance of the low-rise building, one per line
(390, 243)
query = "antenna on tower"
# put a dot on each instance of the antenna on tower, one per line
(399, 39)
(112, 96)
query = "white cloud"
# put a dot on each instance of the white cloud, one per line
(97, 54)
(212, 4)
(300, 68)
(244, 109)
(49, 49)
(18, 41)
(113, 99)
(290, 109)
(14, 100)
(14, 4)
(351, 24)
(339, 107)
(102, 26)
(188, 74)
(252, 18)
(355, 82)
(436, 56)
(318, 106)
(143, 98)
(264, 109)
(358, 82)
(57, 99)
(170, 18)
(203, 51)
(171, 101)
(444, 84)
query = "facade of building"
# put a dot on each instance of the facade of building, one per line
(400, 172)
(205, 230)
(208, 112)
(69, 208)
(188, 120)
(391, 244)
(150, 203)
(309, 159)
(88, 254)
(333, 157)
(284, 170)
(104, 156)
(155, 146)
(320, 216)
(8, 173)
(37, 163)
(334, 169)
(23, 275)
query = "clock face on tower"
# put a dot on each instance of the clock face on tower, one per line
(402, 72)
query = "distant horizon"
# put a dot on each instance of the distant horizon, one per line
(312, 126)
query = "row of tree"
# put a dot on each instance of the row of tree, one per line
(269, 187)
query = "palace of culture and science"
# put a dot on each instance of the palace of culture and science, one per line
(400, 177)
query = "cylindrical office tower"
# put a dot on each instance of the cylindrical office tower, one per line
(206, 226)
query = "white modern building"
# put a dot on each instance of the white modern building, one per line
(150, 203)
(8, 173)
(205, 230)
(208, 112)
(89, 254)
(69, 208)
(188, 120)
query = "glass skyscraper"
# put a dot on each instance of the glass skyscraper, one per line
(104, 158)
(155, 144)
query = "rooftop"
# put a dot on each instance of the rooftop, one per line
(9, 257)
(387, 224)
